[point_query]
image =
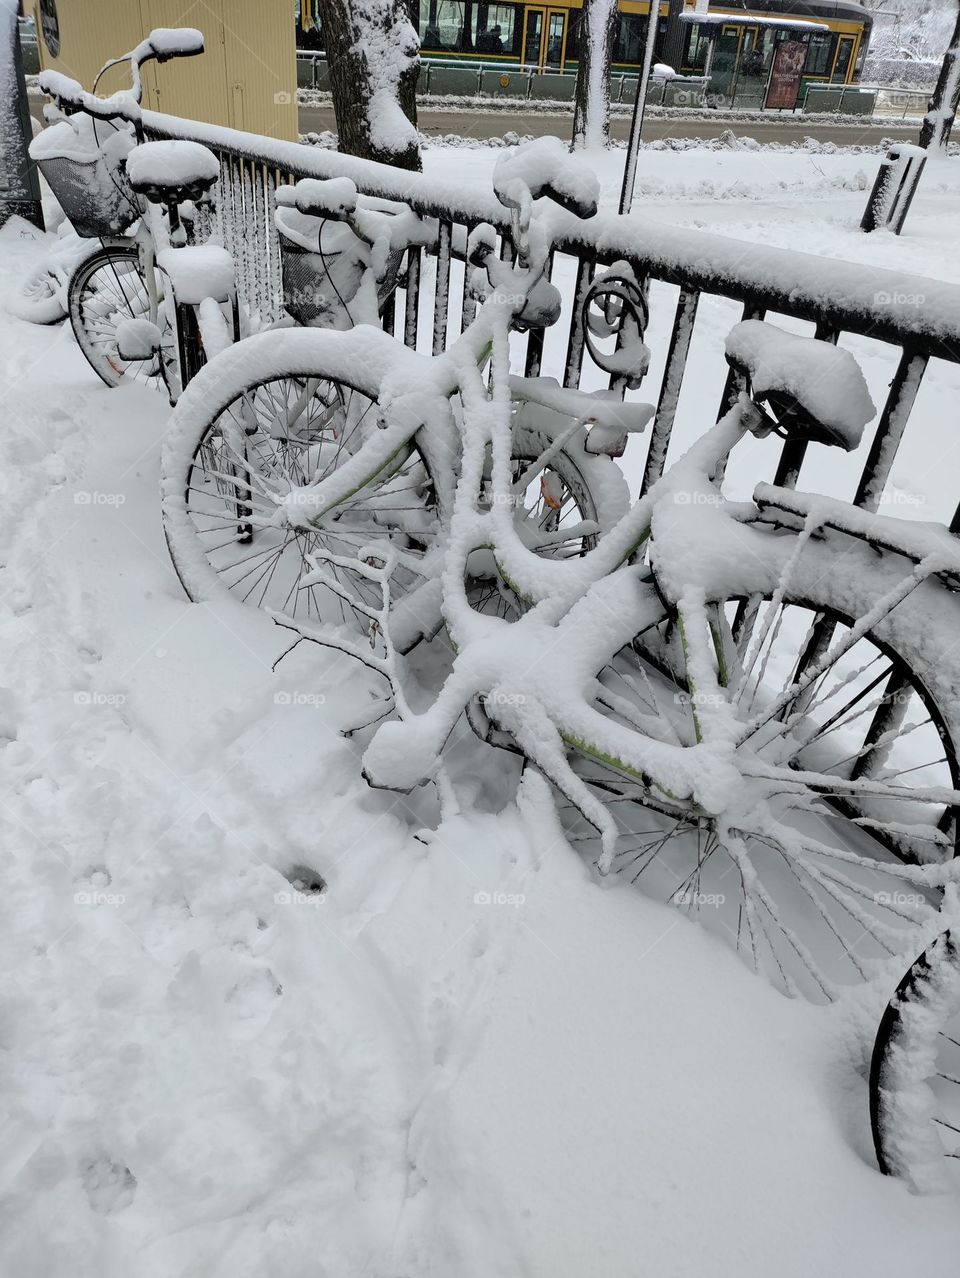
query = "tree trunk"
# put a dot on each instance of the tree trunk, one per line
(591, 97)
(935, 130)
(373, 54)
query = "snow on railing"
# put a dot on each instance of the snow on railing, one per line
(838, 297)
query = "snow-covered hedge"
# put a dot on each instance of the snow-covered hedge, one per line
(904, 73)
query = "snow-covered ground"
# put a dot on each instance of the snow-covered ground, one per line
(467, 1058)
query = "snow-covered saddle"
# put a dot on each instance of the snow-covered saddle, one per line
(172, 170)
(813, 387)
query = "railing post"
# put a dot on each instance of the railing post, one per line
(894, 189)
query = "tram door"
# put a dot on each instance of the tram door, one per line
(842, 64)
(544, 37)
(726, 57)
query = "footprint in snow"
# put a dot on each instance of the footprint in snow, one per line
(109, 1186)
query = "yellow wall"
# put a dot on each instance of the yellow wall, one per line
(246, 78)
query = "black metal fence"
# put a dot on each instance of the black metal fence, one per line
(904, 321)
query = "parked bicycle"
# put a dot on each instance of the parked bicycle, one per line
(147, 303)
(283, 413)
(751, 707)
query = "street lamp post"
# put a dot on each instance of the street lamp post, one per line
(636, 124)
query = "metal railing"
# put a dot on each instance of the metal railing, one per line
(908, 320)
(515, 80)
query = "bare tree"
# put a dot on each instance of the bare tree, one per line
(591, 96)
(913, 29)
(373, 53)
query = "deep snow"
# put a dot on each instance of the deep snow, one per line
(466, 1057)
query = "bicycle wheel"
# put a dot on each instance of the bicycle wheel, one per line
(286, 410)
(820, 858)
(108, 288)
(915, 1073)
(278, 412)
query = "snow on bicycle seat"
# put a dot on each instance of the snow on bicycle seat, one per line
(545, 167)
(825, 381)
(198, 271)
(172, 169)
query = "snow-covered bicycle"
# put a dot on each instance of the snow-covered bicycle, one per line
(285, 415)
(750, 707)
(145, 304)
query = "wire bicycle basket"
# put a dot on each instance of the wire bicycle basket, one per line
(91, 185)
(322, 264)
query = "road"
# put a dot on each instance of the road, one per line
(485, 124)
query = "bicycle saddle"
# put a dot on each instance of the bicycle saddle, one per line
(815, 390)
(173, 170)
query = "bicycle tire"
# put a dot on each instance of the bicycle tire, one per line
(268, 363)
(914, 1082)
(106, 288)
(889, 843)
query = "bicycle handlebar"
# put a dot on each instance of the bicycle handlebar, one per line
(161, 44)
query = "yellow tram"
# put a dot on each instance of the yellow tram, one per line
(734, 43)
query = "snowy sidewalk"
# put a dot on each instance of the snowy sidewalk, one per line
(466, 1059)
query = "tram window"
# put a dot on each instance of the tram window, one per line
(457, 26)
(497, 35)
(573, 36)
(819, 53)
(698, 42)
(631, 34)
